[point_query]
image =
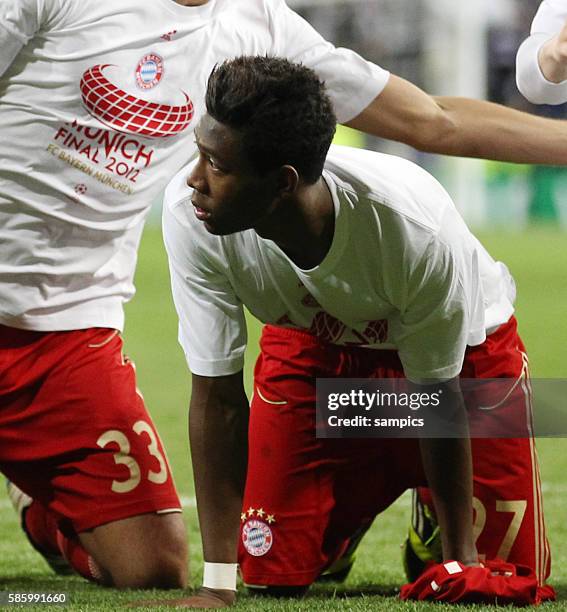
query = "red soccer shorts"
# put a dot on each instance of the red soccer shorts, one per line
(306, 497)
(74, 431)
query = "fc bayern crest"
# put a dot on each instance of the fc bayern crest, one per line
(149, 71)
(257, 537)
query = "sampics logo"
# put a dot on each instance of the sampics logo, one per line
(124, 112)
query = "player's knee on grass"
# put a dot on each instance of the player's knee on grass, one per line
(278, 591)
(147, 551)
(161, 561)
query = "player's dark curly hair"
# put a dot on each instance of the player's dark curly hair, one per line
(280, 108)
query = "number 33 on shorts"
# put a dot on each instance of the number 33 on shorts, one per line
(124, 456)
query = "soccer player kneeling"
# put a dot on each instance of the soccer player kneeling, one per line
(361, 267)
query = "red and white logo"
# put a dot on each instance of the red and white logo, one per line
(149, 71)
(257, 537)
(123, 112)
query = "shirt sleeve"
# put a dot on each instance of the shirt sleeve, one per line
(435, 320)
(19, 22)
(351, 81)
(212, 326)
(548, 21)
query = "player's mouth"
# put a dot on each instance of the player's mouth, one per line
(201, 213)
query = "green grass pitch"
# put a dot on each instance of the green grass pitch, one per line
(537, 259)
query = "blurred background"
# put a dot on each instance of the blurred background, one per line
(457, 48)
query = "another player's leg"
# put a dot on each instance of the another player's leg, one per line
(40, 528)
(143, 551)
(90, 455)
(114, 554)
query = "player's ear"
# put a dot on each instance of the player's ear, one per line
(288, 180)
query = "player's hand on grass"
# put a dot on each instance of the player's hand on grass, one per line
(203, 598)
(206, 598)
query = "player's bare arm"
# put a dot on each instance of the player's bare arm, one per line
(448, 467)
(218, 433)
(462, 126)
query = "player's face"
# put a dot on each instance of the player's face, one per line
(229, 194)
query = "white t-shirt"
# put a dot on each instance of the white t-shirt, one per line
(549, 20)
(98, 101)
(403, 272)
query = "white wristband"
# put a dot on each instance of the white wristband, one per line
(220, 576)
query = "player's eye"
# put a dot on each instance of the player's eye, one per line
(214, 165)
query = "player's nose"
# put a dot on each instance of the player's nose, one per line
(196, 179)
